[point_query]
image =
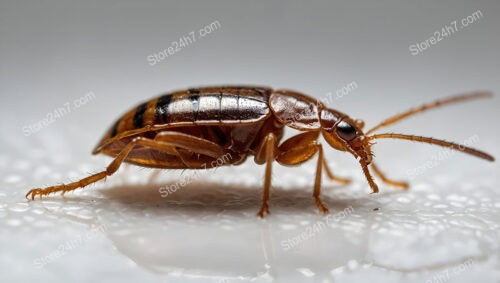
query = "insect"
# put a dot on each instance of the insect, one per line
(195, 127)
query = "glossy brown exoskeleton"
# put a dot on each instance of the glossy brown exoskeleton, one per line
(195, 127)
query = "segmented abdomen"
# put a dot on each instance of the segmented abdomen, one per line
(200, 106)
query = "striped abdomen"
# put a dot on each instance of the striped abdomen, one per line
(202, 106)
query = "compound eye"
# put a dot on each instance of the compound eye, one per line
(346, 131)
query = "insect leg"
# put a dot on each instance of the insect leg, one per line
(381, 175)
(333, 177)
(265, 153)
(317, 181)
(195, 144)
(112, 167)
(300, 148)
(186, 145)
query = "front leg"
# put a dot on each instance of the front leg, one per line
(300, 148)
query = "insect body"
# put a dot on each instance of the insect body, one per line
(194, 127)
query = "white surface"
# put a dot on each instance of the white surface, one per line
(208, 231)
(54, 52)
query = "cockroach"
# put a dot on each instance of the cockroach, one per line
(191, 128)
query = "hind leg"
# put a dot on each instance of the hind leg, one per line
(114, 165)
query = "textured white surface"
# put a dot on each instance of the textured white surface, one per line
(53, 52)
(207, 231)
